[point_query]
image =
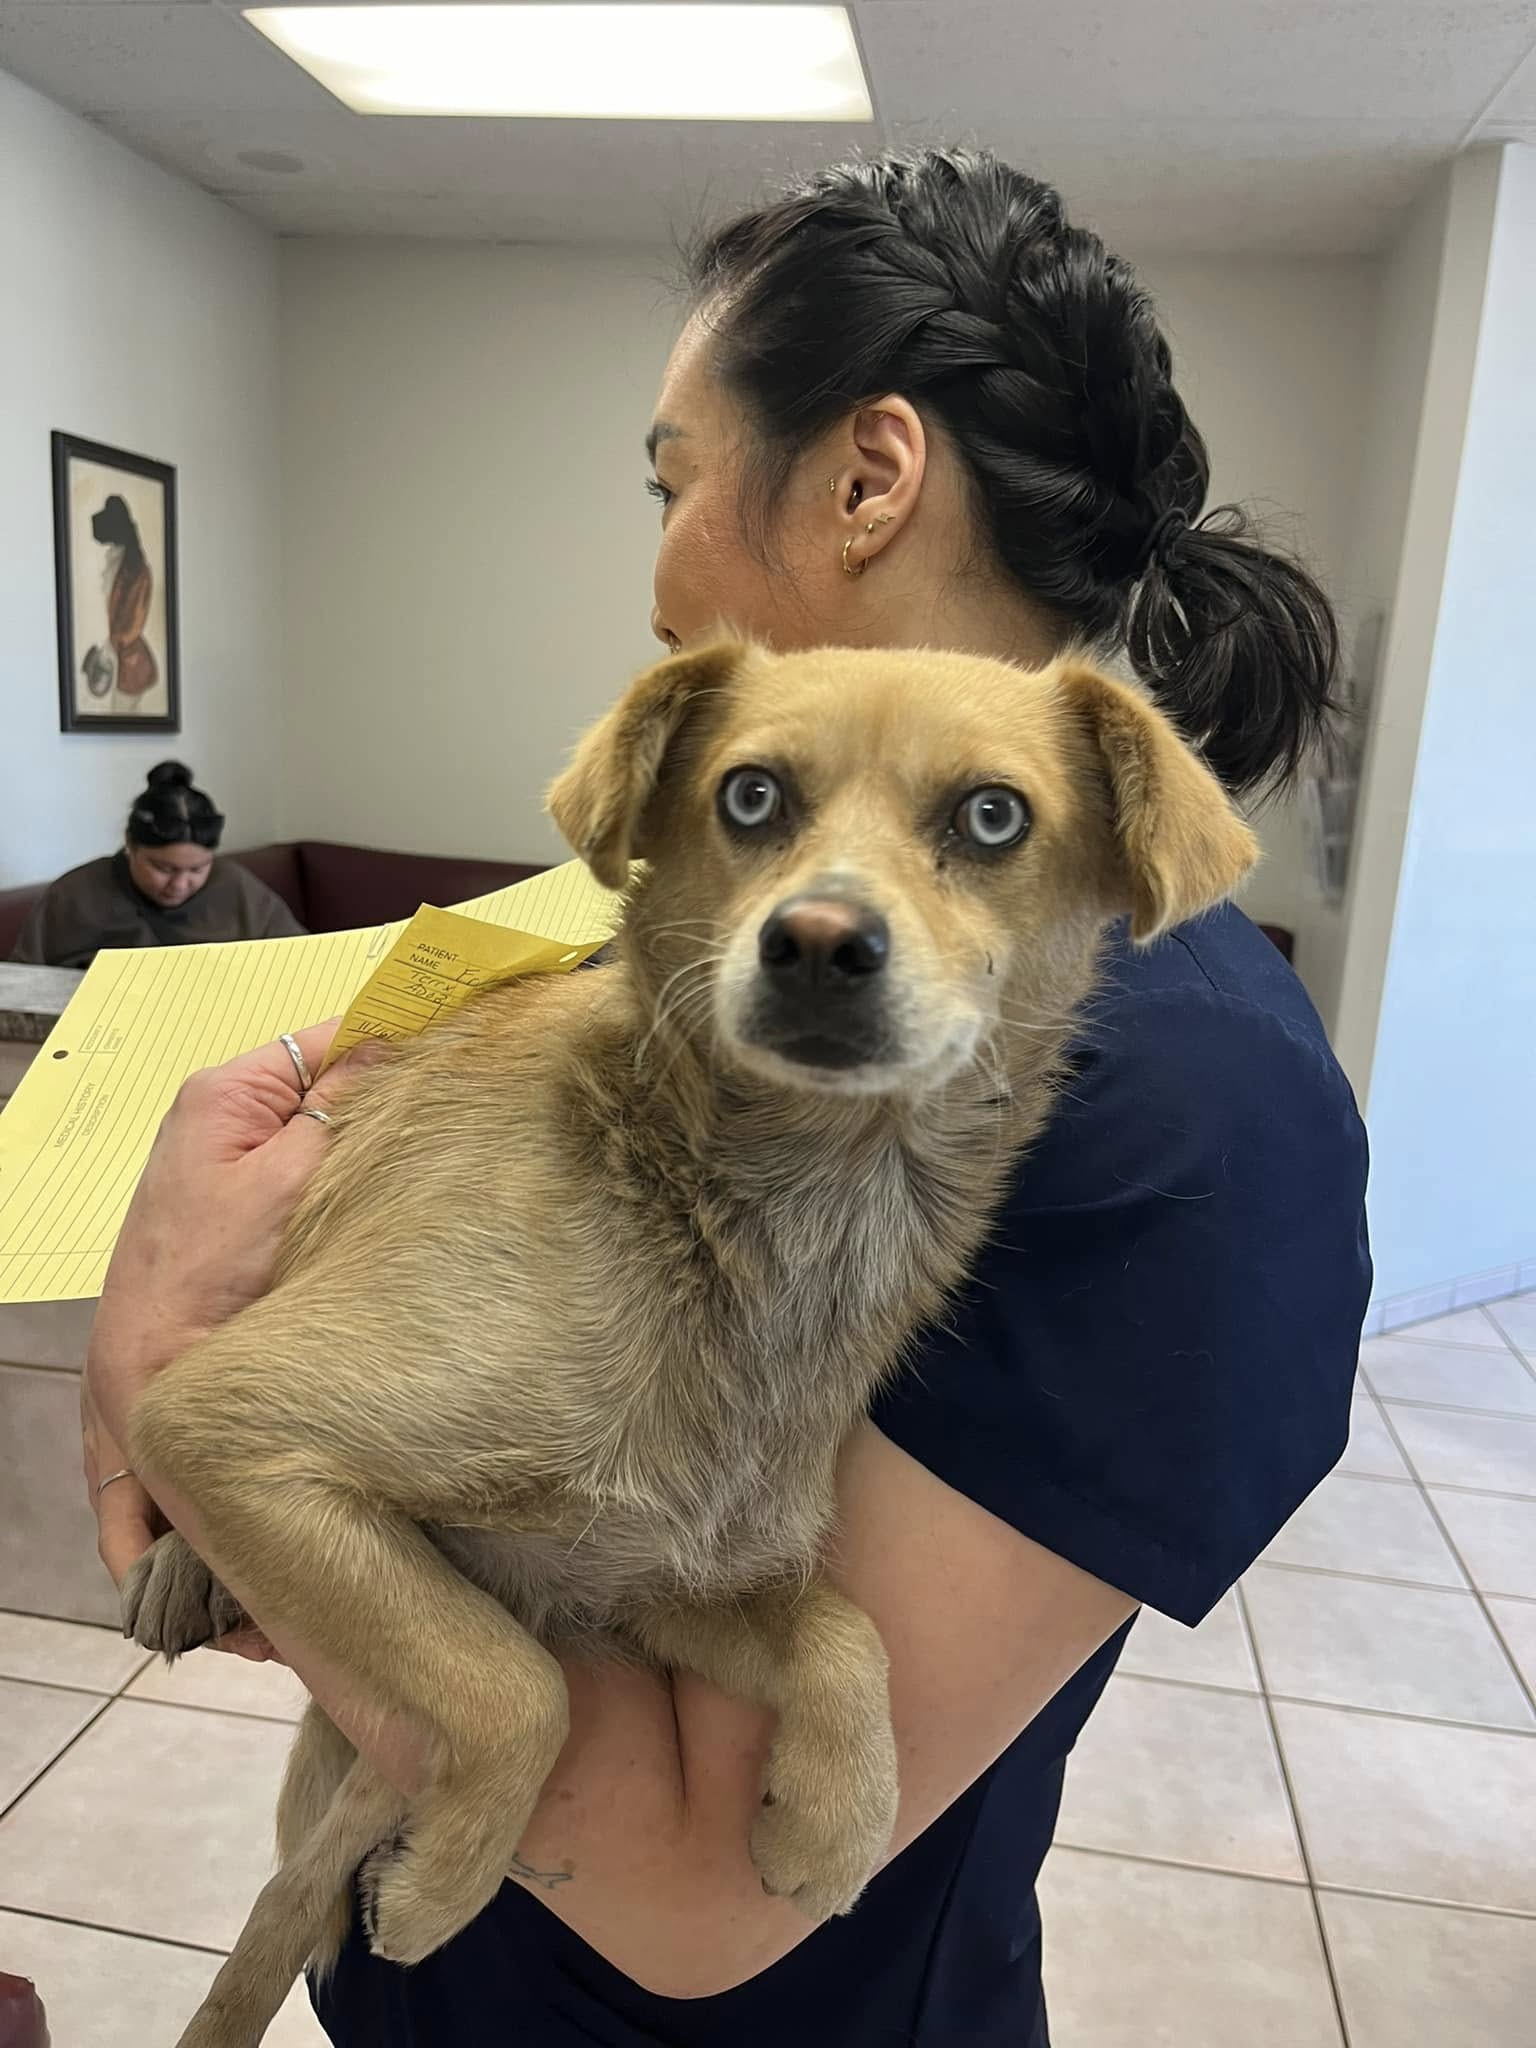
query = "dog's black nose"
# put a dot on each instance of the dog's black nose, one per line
(823, 941)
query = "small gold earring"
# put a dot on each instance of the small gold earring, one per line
(880, 519)
(832, 485)
(847, 571)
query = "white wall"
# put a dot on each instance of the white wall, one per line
(1274, 361)
(468, 552)
(1453, 1086)
(1431, 320)
(142, 314)
(1406, 435)
(467, 543)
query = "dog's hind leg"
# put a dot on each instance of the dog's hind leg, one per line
(317, 1526)
(317, 1766)
(290, 1914)
(830, 1799)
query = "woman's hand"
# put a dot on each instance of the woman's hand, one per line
(199, 1243)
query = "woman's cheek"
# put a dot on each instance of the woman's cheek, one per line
(688, 580)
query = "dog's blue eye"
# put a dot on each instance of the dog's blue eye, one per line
(750, 798)
(992, 818)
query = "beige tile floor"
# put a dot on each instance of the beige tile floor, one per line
(1310, 1823)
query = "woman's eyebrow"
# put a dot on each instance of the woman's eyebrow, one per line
(662, 431)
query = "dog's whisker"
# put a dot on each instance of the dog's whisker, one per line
(669, 1008)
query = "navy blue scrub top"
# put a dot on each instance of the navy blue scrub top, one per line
(1151, 1371)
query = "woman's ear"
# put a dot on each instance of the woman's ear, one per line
(877, 488)
(1182, 845)
(600, 801)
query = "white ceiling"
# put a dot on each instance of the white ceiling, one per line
(1261, 126)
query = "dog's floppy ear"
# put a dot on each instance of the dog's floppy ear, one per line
(1182, 845)
(600, 802)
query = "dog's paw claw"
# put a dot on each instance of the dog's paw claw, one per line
(825, 1824)
(819, 1868)
(171, 1602)
(409, 1913)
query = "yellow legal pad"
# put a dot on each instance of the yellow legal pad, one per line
(75, 1135)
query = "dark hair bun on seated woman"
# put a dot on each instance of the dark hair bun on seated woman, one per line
(170, 812)
(960, 283)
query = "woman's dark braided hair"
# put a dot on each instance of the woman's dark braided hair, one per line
(168, 811)
(956, 281)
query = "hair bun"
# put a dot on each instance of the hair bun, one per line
(169, 775)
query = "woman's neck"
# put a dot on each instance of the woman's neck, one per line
(923, 610)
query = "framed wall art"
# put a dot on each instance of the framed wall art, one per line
(114, 567)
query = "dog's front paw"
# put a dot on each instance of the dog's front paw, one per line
(826, 1822)
(172, 1602)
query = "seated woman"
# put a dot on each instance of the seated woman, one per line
(164, 888)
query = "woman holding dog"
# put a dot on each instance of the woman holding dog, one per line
(914, 406)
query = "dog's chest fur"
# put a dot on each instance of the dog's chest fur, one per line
(719, 1418)
(666, 1323)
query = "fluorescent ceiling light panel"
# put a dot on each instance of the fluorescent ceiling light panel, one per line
(667, 63)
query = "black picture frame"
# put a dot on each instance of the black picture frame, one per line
(115, 588)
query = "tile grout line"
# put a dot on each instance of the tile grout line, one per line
(135, 1675)
(1525, 1733)
(1226, 1692)
(1518, 1349)
(1294, 1884)
(1363, 1374)
(1297, 1699)
(1342, 1471)
(1334, 1571)
(9, 1805)
(1433, 1905)
(1526, 1691)
(1405, 1336)
(121, 1690)
(94, 1692)
(224, 1713)
(197, 1948)
(100, 1628)
(1457, 1408)
(1289, 1884)
(1292, 1802)
(1478, 1492)
(111, 1699)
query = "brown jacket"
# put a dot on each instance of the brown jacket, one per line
(96, 909)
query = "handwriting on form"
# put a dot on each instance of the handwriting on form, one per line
(437, 964)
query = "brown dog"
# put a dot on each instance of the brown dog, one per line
(749, 1160)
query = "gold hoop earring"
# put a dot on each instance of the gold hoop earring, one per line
(847, 571)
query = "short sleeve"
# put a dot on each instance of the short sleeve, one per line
(1152, 1365)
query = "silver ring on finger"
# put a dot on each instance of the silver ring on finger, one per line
(300, 1065)
(319, 1116)
(112, 1477)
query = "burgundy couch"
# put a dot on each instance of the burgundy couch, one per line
(332, 888)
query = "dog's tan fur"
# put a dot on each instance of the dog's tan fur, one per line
(573, 1320)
